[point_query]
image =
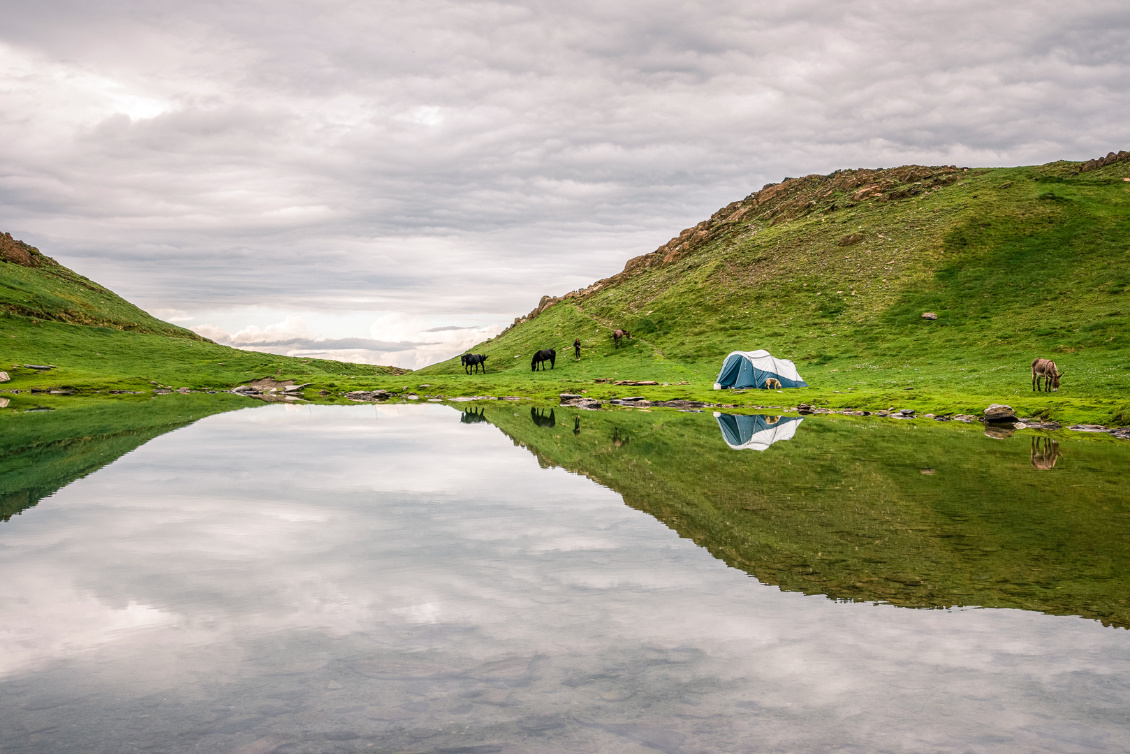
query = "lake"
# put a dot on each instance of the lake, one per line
(421, 578)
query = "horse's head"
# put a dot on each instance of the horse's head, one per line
(1055, 379)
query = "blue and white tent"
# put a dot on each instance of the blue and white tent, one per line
(756, 432)
(743, 369)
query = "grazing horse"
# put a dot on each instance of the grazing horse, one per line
(617, 335)
(1046, 375)
(542, 419)
(1045, 452)
(472, 361)
(543, 356)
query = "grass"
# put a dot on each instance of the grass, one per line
(1017, 263)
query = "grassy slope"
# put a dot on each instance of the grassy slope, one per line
(843, 509)
(45, 451)
(1017, 263)
(52, 315)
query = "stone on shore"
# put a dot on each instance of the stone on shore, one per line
(4, 377)
(998, 414)
(929, 315)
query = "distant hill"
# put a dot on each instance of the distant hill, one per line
(835, 272)
(52, 316)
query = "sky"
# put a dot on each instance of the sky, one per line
(393, 182)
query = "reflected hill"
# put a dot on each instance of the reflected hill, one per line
(44, 451)
(911, 513)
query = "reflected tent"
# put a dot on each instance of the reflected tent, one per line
(756, 432)
(743, 369)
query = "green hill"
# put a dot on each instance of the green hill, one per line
(835, 272)
(51, 315)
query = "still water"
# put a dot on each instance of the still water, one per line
(420, 579)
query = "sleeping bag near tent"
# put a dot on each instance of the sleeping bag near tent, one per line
(756, 432)
(743, 369)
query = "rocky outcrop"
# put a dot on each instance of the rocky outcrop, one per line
(1102, 162)
(18, 252)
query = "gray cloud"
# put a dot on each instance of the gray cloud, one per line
(464, 158)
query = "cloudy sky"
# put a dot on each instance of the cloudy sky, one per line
(391, 182)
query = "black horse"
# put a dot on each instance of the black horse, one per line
(472, 361)
(543, 356)
(542, 419)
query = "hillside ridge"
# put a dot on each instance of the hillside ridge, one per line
(796, 198)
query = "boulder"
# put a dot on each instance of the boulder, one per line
(929, 315)
(569, 397)
(4, 377)
(1122, 433)
(998, 414)
(4, 402)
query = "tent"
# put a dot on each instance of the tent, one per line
(752, 368)
(756, 432)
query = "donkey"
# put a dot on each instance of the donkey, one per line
(543, 356)
(617, 335)
(1045, 375)
(473, 361)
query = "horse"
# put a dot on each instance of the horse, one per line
(617, 335)
(542, 419)
(543, 356)
(1045, 452)
(472, 361)
(1046, 375)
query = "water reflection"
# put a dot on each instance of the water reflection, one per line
(44, 451)
(363, 578)
(1045, 452)
(914, 514)
(755, 431)
(472, 416)
(541, 418)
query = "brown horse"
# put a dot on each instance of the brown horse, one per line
(617, 335)
(1046, 375)
(1045, 452)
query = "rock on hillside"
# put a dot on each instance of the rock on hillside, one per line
(18, 252)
